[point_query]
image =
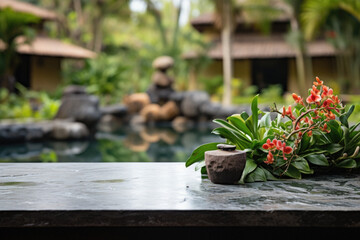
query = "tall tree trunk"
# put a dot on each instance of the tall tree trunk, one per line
(226, 48)
(299, 57)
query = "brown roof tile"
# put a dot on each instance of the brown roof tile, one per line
(250, 47)
(19, 6)
(44, 46)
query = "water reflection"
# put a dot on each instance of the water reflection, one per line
(142, 144)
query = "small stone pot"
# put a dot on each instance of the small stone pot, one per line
(225, 166)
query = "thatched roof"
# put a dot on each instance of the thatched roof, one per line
(44, 46)
(28, 8)
(251, 47)
(205, 20)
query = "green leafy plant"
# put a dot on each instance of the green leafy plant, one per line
(292, 141)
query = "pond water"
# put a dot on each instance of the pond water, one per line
(145, 144)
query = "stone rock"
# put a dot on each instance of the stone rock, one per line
(137, 101)
(10, 133)
(63, 130)
(34, 133)
(159, 95)
(151, 112)
(119, 110)
(169, 111)
(163, 63)
(211, 109)
(161, 79)
(192, 102)
(177, 97)
(74, 89)
(109, 123)
(225, 167)
(80, 108)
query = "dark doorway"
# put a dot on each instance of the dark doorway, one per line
(267, 72)
(22, 73)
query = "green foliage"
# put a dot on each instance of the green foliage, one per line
(12, 25)
(48, 156)
(337, 148)
(105, 76)
(27, 104)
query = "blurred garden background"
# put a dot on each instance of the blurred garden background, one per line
(222, 51)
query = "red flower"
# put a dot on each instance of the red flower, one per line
(279, 145)
(316, 91)
(336, 99)
(327, 92)
(318, 82)
(327, 103)
(313, 98)
(309, 133)
(330, 115)
(269, 144)
(269, 158)
(324, 128)
(288, 112)
(297, 99)
(287, 150)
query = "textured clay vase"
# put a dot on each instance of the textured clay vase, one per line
(225, 165)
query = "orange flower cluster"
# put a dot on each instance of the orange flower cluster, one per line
(320, 107)
(324, 100)
(276, 147)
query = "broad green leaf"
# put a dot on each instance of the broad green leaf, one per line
(335, 131)
(269, 175)
(239, 123)
(293, 172)
(355, 141)
(332, 148)
(250, 166)
(255, 115)
(304, 144)
(346, 137)
(302, 165)
(318, 159)
(199, 165)
(347, 163)
(199, 153)
(265, 121)
(345, 117)
(258, 175)
(353, 128)
(244, 115)
(232, 137)
(242, 137)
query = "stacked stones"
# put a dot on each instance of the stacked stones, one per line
(161, 103)
(161, 88)
(155, 105)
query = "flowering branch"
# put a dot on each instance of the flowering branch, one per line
(313, 116)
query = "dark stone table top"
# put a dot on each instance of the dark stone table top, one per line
(167, 194)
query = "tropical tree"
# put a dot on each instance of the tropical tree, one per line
(341, 20)
(225, 14)
(12, 26)
(296, 39)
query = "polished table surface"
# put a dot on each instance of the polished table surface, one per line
(167, 194)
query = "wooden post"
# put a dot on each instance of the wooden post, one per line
(226, 48)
